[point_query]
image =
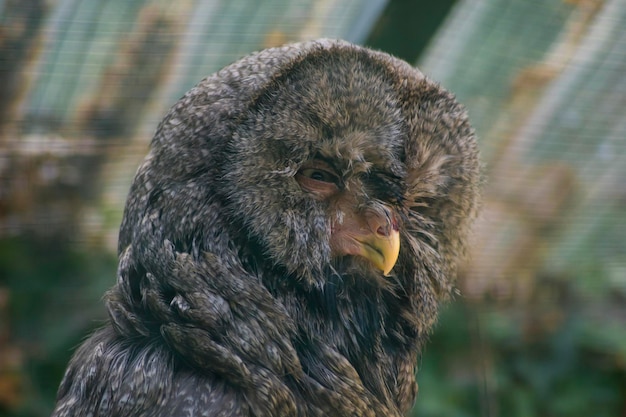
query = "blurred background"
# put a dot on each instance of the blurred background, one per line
(539, 327)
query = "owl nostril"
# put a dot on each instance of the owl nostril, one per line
(390, 225)
(384, 230)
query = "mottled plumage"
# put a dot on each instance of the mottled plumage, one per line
(238, 292)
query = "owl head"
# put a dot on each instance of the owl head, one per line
(310, 161)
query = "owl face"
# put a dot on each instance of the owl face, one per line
(319, 174)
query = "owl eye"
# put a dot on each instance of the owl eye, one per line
(319, 175)
(318, 178)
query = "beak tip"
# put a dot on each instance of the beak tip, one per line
(386, 252)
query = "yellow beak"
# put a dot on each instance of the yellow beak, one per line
(382, 251)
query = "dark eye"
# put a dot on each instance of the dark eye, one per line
(318, 178)
(319, 175)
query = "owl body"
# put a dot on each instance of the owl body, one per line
(285, 243)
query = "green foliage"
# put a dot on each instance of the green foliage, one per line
(53, 302)
(542, 358)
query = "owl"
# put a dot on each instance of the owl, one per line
(285, 244)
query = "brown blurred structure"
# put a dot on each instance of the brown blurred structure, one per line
(545, 87)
